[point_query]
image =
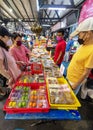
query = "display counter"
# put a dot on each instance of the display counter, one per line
(51, 115)
(59, 99)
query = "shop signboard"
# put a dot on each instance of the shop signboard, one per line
(87, 10)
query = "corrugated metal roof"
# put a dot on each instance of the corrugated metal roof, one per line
(27, 12)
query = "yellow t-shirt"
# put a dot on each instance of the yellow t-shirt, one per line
(82, 59)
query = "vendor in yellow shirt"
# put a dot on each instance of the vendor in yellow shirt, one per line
(82, 61)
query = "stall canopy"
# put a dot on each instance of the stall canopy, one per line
(26, 12)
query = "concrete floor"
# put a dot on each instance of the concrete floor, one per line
(86, 122)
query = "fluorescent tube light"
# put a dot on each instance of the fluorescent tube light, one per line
(46, 25)
(37, 4)
(56, 8)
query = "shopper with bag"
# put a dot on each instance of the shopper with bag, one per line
(8, 67)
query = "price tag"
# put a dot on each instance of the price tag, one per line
(62, 69)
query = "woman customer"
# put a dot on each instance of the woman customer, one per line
(20, 53)
(8, 67)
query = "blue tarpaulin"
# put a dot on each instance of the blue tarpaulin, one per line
(52, 115)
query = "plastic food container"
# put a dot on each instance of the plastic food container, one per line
(61, 95)
(27, 99)
(27, 78)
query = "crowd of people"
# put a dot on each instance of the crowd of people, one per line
(81, 64)
(8, 66)
(14, 56)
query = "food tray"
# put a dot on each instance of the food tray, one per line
(28, 78)
(25, 99)
(65, 94)
(36, 68)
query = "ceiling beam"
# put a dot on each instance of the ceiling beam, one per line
(47, 23)
(25, 9)
(57, 14)
(6, 11)
(57, 6)
(54, 19)
(16, 20)
(46, 14)
(69, 12)
(31, 9)
(41, 2)
(49, 12)
(58, 19)
(45, 18)
(37, 20)
(72, 2)
(31, 19)
(2, 14)
(54, 15)
(1, 18)
(9, 6)
(17, 9)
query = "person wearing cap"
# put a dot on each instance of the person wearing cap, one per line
(82, 61)
(8, 64)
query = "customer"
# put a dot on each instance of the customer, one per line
(20, 53)
(60, 48)
(68, 49)
(8, 67)
(82, 61)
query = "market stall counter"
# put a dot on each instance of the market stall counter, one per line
(51, 115)
(42, 96)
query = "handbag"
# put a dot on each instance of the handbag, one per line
(89, 83)
(5, 63)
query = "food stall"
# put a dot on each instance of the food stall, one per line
(41, 92)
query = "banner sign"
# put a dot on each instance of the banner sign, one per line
(87, 10)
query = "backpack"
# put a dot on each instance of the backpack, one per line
(89, 82)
